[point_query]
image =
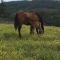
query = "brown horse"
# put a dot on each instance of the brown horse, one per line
(29, 18)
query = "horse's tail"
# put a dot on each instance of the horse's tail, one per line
(16, 22)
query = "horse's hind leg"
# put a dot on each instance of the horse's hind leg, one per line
(31, 30)
(19, 28)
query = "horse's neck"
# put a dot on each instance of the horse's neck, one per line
(27, 14)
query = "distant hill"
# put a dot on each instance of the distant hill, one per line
(22, 5)
(13, 7)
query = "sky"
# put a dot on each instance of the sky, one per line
(10, 0)
(13, 0)
(19, 0)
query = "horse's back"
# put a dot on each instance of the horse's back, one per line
(27, 18)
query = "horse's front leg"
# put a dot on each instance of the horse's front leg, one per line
(37, 30)
(42, 28)
(31, 30)
(19, 29)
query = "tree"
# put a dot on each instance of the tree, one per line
(2, 8)
(1, 1)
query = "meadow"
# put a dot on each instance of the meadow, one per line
(30, 47)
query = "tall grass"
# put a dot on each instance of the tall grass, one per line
(43, 47)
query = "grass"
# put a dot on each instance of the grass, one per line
(43, 47)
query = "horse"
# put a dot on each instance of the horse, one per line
(28, 18)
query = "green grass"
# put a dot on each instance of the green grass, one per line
(43, 47)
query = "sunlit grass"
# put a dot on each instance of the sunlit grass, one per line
(43, 47)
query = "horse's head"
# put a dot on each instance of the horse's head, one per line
(41, 20)
(38, 28)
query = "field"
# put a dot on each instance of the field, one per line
(43, 47)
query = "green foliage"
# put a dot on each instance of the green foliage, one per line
(13, 7)
(3, 12)
(43, 47)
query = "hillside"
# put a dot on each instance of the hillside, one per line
(12, 7)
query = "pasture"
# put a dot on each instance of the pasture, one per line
(43, 47)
